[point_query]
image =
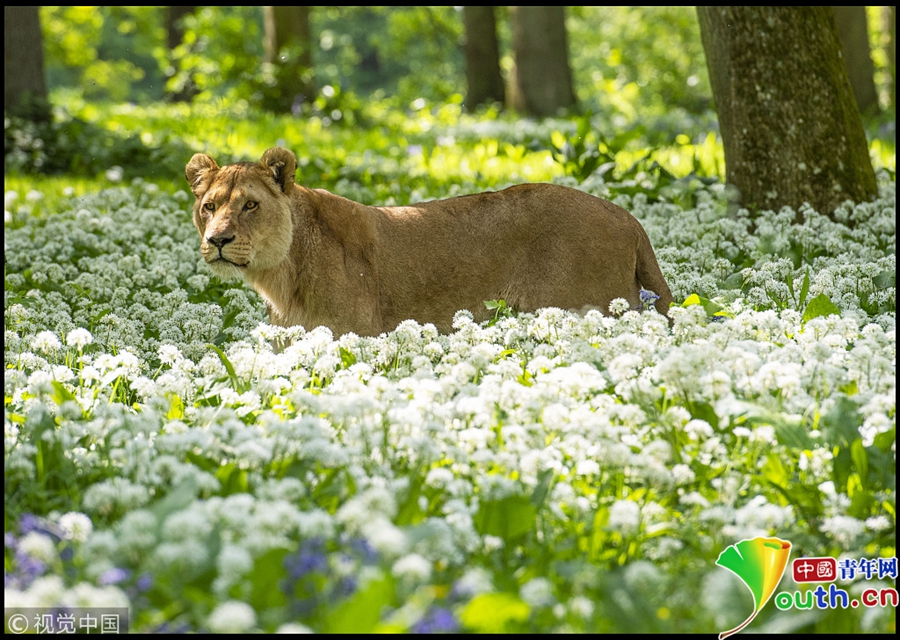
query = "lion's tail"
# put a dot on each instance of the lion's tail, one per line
(650, 276)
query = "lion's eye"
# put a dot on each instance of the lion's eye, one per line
(209, 206)
(250, 206)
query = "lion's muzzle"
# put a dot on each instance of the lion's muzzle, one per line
(219, 241)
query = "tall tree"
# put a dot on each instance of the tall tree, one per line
(288, 45)
(889, 19)
(854, 33)
(485, 82)
(789, 122)
(24, 85)
(541, 82)
(174, 15)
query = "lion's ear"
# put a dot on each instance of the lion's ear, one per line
(281, 165)
(200, 167)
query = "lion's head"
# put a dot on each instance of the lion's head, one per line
(243, 211)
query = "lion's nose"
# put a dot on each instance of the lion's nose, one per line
(219, 241)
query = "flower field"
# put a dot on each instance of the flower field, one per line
(542, 472)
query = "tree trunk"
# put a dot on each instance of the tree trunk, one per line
(541, 82)
(288, 45)
(889, 16)
(854, 33)
(485, 83)
(24, 85)
(789, 122)
(174, 37)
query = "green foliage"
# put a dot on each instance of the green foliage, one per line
(107, 52)
(631, 62)
(221, 55)
(74, 146)
(500, 309)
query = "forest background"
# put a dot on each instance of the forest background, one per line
(539, 472)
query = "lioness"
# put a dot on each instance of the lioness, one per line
(320, 259)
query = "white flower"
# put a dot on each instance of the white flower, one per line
(46, 591)
(683, 474)
(39, 546)
(587, 468)
(234, 562)
(618, 306)
(845, 529)
(698, 429)
(76, 526)
(232, 616)
(115, 173)
(79, 338)
(624, 517)
(85, 595)
(386, 538)
(878, 523)
(474, 581)
(537, 592)
(293, 627)
(581, 606)
(412, 567)
(45, 342)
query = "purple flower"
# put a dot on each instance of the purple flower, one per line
(144, 582)
(346, 587)
(648, 298)
(29, 523)
(310, 558)
(28, 568)
(113, 576)
(362, 547)
(436, 620)
(10, 540)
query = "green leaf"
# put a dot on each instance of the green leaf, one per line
(361, 613)
(347, 357)
(507, 518)
(861, 461)
(599, 533)
(734, 281)
(818, 307)
(886, 439)
(774, 470)
(691, 300)
(705, 411)
(410, 512)
(61, 394)
(840, 426)
(711, 308)
(176, 407)
(545, 478)
(793, 434)
(266, 578)
(176, 500)
(233, 479)
(885, 279)
(494, 613)
(804, 289)
(235, 383)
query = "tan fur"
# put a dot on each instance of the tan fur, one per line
(320, 259)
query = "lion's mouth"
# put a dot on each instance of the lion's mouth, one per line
(231, 262)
